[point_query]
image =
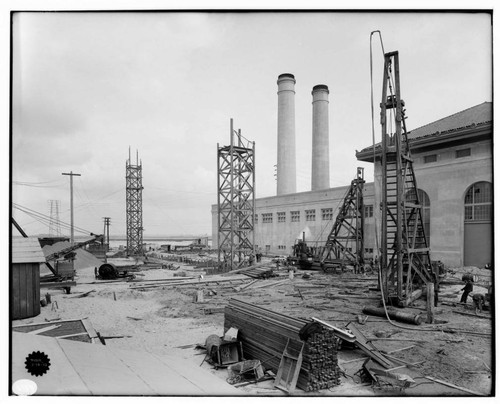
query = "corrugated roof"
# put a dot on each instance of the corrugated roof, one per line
(26, 250)
(478, 114)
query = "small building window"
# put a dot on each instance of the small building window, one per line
(327, 214)
(295, 216)
(462, 153)
(310, 215)
(281, 217)
(431, 158)
(282, 247)
(368, 210)
(267, 218)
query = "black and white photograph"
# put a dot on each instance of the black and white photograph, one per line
(249, 202)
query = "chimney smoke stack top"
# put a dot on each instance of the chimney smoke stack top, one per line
(320, 173)
(286, 167)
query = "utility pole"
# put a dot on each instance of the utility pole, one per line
(71, 175)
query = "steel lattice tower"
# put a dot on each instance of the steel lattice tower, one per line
(54, 224)
(134, 207)
(235, 201)
(405, 257)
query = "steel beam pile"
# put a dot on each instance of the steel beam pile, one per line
(264, 335)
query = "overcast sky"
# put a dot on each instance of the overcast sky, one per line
(86, 86)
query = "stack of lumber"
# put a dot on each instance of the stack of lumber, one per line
(264, 335)
(259, 273)
(186, 281)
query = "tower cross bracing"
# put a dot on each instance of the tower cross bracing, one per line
(236, 201)
(134, 207)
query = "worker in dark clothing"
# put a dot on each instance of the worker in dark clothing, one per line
(478, 300)
(467, 289)
(95, 272)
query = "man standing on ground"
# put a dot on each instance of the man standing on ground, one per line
(467, 289)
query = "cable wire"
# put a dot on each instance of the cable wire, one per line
(44, 219)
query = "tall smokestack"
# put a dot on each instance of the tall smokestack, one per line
(286, 135)
(320, 143)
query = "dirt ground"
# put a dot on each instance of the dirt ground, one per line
(167, 319)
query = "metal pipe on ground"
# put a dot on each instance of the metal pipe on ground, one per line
(394, 315)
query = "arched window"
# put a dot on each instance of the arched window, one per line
(424, 200)
(478, 202)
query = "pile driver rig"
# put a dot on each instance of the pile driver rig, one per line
(404, 251)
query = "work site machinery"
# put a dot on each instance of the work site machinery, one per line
(60, 263)
(405, 257)
(344, 244)
(65, 273)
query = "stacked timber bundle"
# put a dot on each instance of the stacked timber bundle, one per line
(264, 335)
(259, 273)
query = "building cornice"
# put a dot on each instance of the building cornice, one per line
(438, 140)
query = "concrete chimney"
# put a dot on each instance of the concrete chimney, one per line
(320, 143)
(286, 171)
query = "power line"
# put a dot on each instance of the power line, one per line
(40, 217)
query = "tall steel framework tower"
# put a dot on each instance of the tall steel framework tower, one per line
(235, 201)
(405, 258)
(54, 224)
(134, 206)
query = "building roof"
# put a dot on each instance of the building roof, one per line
(456, 126)
(470, 117)
(26, 250)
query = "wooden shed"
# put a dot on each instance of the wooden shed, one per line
(27, 255)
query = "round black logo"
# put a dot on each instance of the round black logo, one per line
(37, 363)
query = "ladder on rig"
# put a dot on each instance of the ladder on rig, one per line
(404, 249)
(344, 244)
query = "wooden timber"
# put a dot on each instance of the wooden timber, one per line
(265, 334)
(368, 348)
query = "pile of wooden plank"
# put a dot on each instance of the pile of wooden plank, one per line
(265, 334)
(259, 273)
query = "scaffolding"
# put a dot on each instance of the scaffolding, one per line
(236, 202)
(134, 206)
(405, 258)
(344, 245)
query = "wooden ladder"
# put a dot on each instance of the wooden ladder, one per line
(289, 368)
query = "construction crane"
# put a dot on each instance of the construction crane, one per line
(405, 257)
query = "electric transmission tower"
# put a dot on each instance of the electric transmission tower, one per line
(235, 201)
(134, 206)
(54, 224)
